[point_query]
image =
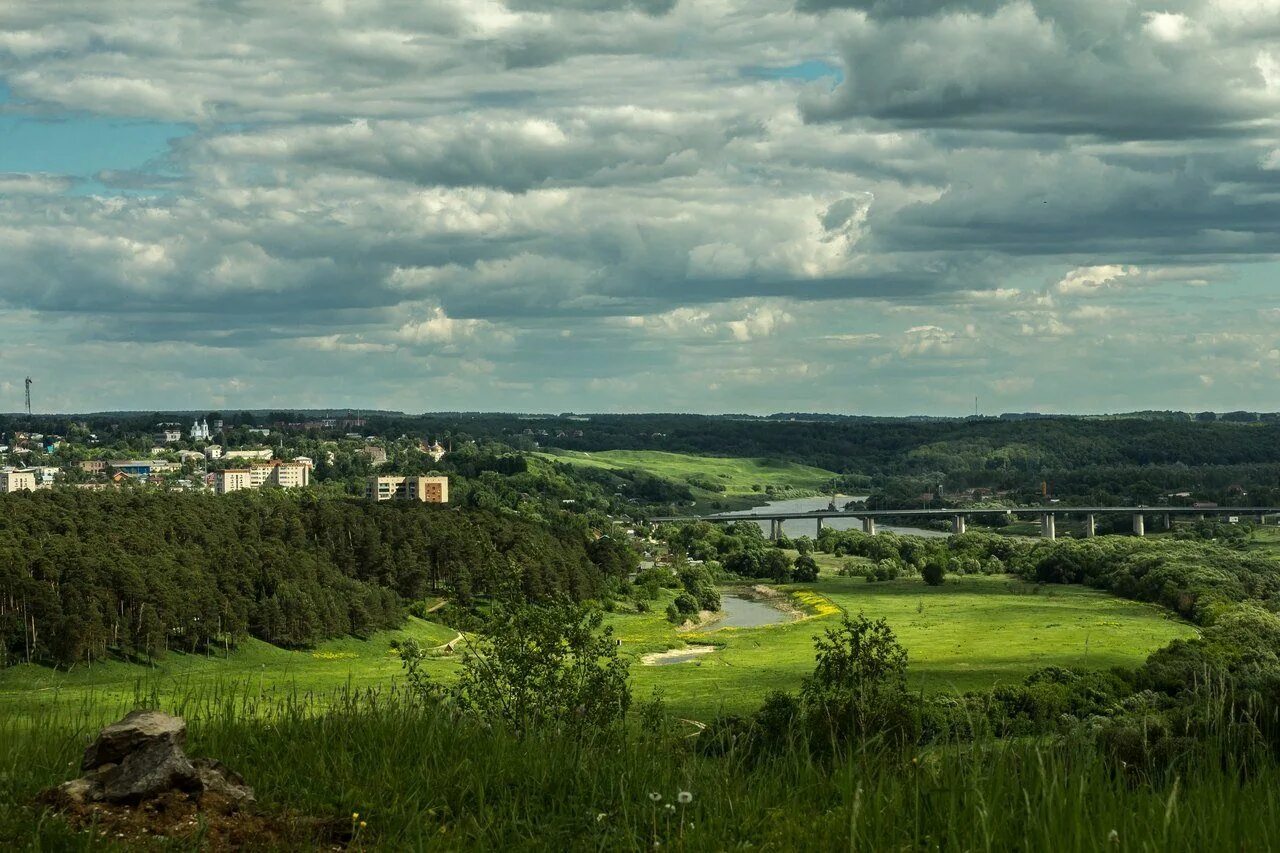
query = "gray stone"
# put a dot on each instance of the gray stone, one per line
(217, 778)
(129, 734)
(141, 757)
(153, 769)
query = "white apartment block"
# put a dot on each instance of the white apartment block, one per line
(262, 453)
(13, 480)
(286, 475)
(232, 480)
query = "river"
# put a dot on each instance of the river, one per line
(809, 527)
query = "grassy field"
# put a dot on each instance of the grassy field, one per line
(737, 476)
(968, 634)
(971, 633)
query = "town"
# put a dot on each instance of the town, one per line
(211, 456)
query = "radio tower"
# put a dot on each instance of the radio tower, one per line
(28, 396)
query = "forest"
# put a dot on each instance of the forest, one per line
(84, 575)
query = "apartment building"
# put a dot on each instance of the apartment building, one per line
(14, 480)
(261, 453)
(433, 490)
(232, 480)
(94, 466)
(286, 475)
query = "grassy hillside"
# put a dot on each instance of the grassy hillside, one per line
(738, 477)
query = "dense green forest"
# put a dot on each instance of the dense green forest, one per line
(133, 573)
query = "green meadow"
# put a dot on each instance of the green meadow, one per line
(968, 634)
(737, 476)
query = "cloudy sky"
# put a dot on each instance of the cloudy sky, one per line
(866, 206)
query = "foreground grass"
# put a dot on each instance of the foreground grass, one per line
(970, 634)
(423, 781)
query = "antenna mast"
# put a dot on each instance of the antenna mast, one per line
(28, 396)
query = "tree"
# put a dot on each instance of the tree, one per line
(805, 570)
(933, 573)
(859, 686)
(543, 666)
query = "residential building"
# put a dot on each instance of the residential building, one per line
(425, 489)
(94, 466)
(191, 456)
(286, 475)
(15, 480)
(232, 480)
(261, 453)
(168, 435)
(259, 430)
(213, 451)
(305, 460)
(377, 455)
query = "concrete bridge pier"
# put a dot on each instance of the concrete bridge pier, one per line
(820, 526)
(775, 529)
(1090, 526)
(869, 526)
(1168, 522)
(957, 525)
(1047, 526)
(1139, 525)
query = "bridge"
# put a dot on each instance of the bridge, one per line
(958, 517)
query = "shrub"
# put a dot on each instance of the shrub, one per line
(539, 667)
(805, 570)
(859, 686)
(932, 573)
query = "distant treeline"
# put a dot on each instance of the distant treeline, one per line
(85, 575)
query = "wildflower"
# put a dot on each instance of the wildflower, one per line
(1113, 837)
(363, 824)
(670, 807)
(655, 796)
(685, 798)
(601, 816)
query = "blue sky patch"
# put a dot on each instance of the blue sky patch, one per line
(808, 71)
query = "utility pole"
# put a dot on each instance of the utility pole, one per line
(28, 396)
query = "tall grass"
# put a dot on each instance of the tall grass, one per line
(423, 780)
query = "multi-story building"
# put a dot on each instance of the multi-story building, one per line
(426, 489)
(15, 480)
(213, 451)
(168, 435)
(260, 453)
(233, 480)
(94, 466)
(286, 475)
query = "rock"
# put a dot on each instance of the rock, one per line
(137, 728)
(217, 778)
(140, 758)
(149, 771)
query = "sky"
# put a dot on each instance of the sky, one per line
(859, 206)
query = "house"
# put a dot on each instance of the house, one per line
(424, 489)
(191, 456)
(94, 466)
(168, 435)
(213, 451)
(377, 455)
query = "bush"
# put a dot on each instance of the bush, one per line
(932, 573)
(538, 667)
(859, 686)
(805, 570)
